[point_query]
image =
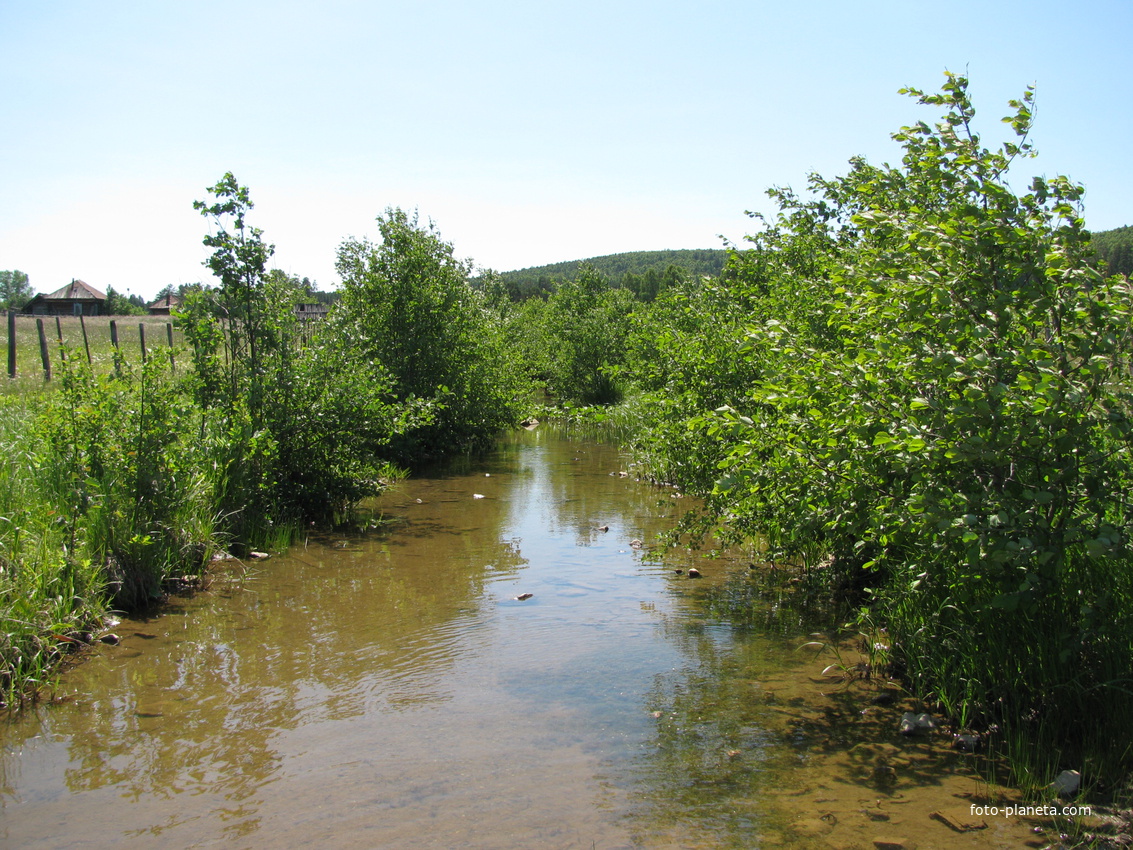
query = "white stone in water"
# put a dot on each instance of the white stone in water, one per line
(1066, 783)
(912, 723)
(477, 495)
(966, 743)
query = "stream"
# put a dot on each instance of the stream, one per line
(390, 687)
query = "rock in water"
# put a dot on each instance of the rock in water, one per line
(1067, 783)
(911, 723)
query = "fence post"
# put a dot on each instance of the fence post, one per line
(142, 339)
(43, 350)
(59, 336)
(169, 334)
(11, 343)
(114, 342)
(86, 342)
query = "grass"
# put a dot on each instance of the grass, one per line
(46, 597)
(103, 496)
(616, 424)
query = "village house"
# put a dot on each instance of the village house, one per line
(307, 312)
(77, 298)
(164, 306)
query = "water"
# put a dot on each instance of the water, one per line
(389, 689)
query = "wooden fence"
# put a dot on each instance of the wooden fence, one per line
(33, 340)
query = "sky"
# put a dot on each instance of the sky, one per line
(529, 132)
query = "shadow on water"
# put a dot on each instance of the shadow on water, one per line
(497, 664)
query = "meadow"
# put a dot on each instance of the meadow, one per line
(87, 334)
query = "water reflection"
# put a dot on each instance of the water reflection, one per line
(389, 689)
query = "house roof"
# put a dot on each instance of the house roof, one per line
(165, 301)
(76, 290)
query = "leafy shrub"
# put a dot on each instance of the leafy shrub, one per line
(121, 466)
(942, 404)
(408, 305)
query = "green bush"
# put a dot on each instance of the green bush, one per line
(587, 324)
(122, 467)
(408, 305)
(943, 408)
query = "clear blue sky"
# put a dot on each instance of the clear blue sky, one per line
(529, 132)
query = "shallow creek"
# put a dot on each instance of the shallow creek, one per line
(387, 688)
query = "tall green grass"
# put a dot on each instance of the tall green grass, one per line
(1049, 686)
(107, 489)
(48, 595)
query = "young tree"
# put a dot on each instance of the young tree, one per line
(239, 261)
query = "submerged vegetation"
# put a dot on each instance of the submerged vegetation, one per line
(912, 381)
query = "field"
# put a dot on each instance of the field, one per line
(29, 363)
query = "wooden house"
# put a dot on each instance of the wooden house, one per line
(164, 306)
(309, 312)
(77, 298)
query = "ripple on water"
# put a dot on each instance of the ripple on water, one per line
(393, 692)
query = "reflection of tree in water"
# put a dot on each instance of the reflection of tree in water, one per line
(715, 750)
(773, 602)
(580, 490)
(185, 719)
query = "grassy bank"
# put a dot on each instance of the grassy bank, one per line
(105, 492)
(48, 597)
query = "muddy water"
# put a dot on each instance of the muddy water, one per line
(389, 689)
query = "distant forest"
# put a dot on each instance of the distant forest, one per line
(644, 273)
(1116, 248)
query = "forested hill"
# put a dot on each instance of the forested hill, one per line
(1116, 248)
(633, 270)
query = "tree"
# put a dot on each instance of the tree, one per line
(408, 304)
(1115, 247)
(588, 322)
(239, 261)
(118, 304)
(15, 291)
